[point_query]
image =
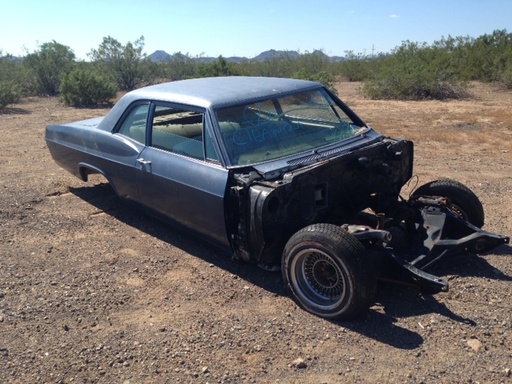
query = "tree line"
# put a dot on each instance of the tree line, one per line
(411, 71)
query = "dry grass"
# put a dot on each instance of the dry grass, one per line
(484, 121)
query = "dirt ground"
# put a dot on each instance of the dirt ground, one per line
(94, 291)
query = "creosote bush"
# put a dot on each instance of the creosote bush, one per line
(49, 64)
(415, 72)
(10, 93)
(414, 88)
(84, 88)
(322, 77)
(506, 77)
(412, 71)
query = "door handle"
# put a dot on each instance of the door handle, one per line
(143, 162)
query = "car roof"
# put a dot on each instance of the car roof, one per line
(207, 92)
(220, 91)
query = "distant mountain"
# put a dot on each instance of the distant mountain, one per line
(316, 52)
(162, 56)
(272, 54)
(236, 59)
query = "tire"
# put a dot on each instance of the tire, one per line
(463, 202)
(329, 272)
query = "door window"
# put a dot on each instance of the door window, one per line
(179, 131)
(134, 125)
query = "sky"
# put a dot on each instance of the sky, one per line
(245, 28)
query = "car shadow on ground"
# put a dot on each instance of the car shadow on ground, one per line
(105, 200)
(393, 302)
(465, 265)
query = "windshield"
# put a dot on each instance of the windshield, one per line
(285, 126)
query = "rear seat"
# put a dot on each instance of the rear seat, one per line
(185, 139)
(186, 130)
(138, 132)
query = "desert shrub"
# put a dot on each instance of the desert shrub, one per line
(287, 64)
(415, 72)
(275, 65)
(180, 66)
(127, 65)
(13, 71)
(490, 55)
(49, 64)
(355, 67)
(506, 77)
(10, 93)
(84, 88)
(397, 86)
(316, 62)
(322, 77)
(219, 67)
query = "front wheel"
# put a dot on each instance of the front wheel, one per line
(328, 272)
(462, 201)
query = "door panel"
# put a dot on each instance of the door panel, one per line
(124, 148)
(190, 192)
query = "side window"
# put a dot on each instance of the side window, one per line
(134, 125)
(211, 153)
(178, 130)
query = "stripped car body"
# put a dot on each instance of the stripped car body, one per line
(281, 173)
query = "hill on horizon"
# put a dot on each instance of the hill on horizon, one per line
(161, 56)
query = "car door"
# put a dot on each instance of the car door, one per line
(124, 147)
(175, 177)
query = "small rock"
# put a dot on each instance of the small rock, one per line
(299, 363)
(205, 370)
(507, 372)
(475, 344)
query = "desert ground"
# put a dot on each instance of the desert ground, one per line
(94, 291)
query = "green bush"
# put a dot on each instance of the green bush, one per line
(13, 72)
(506, 77)
(414, 88)
(126, 64)
(10, 93)
(219, 67)
(415, 72)
(355, 67)
(83, 88)
(321, 77)
(178, 67)
(49, 64)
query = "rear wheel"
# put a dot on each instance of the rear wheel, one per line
(328, 272)
(462, 201)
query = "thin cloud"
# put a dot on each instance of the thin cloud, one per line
(394, 16)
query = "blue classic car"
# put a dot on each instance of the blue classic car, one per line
(283, 174)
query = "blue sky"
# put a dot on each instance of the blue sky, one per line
(245, 28)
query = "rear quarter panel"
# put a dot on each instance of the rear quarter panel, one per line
(81, 147)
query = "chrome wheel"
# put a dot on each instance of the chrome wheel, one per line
(318, 279)
(328, 272)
